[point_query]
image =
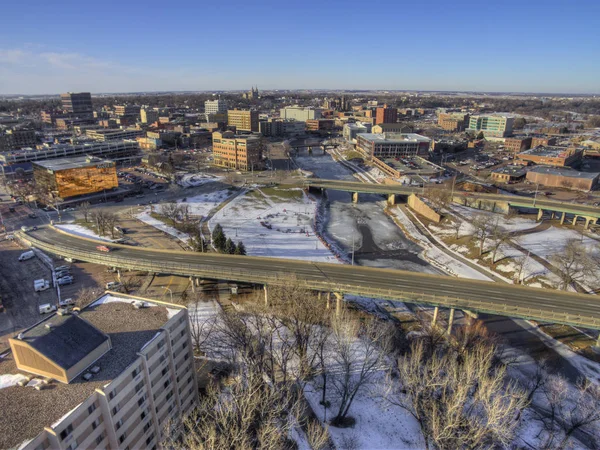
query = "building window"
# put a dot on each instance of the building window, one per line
(136, 372)
(167, 383)
(139, 386)
(122, 437)
(72, 446)
(119, 424)
(100, 438)
(115, 409)
(92, 408)
(147, 427)
(160, 344)
(67, 431)
(142, 415)
(149, 439)
(142, 400)
(165, 370)
(95, 424)
(112, 394)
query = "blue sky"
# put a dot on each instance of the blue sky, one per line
(108, 46)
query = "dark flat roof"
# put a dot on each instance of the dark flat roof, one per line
(66, 340)
(71, 163)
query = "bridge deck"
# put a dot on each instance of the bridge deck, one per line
(495, 298)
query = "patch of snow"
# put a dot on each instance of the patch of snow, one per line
(197, 179)
(81, 231)
(203, 204)
(273, 226)
(9, 380)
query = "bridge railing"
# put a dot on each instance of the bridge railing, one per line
(278, 277)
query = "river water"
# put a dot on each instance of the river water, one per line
(377, 240)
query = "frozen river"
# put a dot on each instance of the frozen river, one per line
(378, 241)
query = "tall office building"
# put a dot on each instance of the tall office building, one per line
(492, 125)
(300, 113)
(111, 375)
(77, 102)
(237, 152)
(148, 115)
(243, 120)
(215, 106)
(386, 115)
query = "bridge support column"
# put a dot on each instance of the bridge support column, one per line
(562, 218)
(193, 283)
(471, 314)
(540, 214)
(575, 220)
(119, 275)
(450, 321)
(266, 289)
(339, 298)
(587, 223)
(328, 300)
(436, 311)
(355, 197)
(391, 201)
(598, 343)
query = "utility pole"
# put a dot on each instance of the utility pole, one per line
(537, 186)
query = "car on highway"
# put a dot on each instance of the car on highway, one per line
(103, 248)
(32, 215)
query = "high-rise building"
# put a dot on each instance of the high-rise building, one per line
(215, 106)
(300, 113)
(111, 375)
(386, 115)
(237, 152)
(77, 102)
(492, 125)
(148, 115)
(243, 120)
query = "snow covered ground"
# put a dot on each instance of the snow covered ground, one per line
(80, 231)
(197, 179)
(203, 204)
(148, 219)
(274, 226)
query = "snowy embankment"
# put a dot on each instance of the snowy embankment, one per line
(276, 226)
(81, 231)
(148, 219)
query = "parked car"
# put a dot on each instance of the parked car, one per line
(46, 308)
(65, 280)
(27, 255)
(32, 215)
(112, 285)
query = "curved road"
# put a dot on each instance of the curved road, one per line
(488, 297)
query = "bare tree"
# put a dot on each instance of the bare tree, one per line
(521, 263)
(499, 237)
(484, 225)
(170, 211)
(316, 435)
(359, 352)
(201, 326)
(250, 414)
(573, 263)
(456, 225)
(85, 207)
(459, 400)
(570, 411)
(440, 197)
(110, 220)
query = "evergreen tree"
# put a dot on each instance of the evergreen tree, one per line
(218, 237)
(240, 249)
(229, 246)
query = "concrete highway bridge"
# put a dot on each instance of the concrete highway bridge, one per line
(498, 202)
(439, 291)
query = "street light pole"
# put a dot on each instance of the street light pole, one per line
(170, 292)
(537, 186)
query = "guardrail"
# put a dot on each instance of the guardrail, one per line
(283, 278)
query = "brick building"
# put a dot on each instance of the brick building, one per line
(517, 144)
(238, 152)
(386, 115)
(551, 156)
(243, 120)
(453, 121)
(563, 177)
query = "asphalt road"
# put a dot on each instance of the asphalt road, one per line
(496, 298)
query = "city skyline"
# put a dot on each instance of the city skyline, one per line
(513, 47)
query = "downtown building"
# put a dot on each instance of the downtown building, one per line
(71, 177)
(392, 145)
(238, 152)
(108, 376)
(300, 113)
(115, 134)
(243, 120)
(453, 121)
(77, 103)
(492, 125)
(386, 114)
(217, 106)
